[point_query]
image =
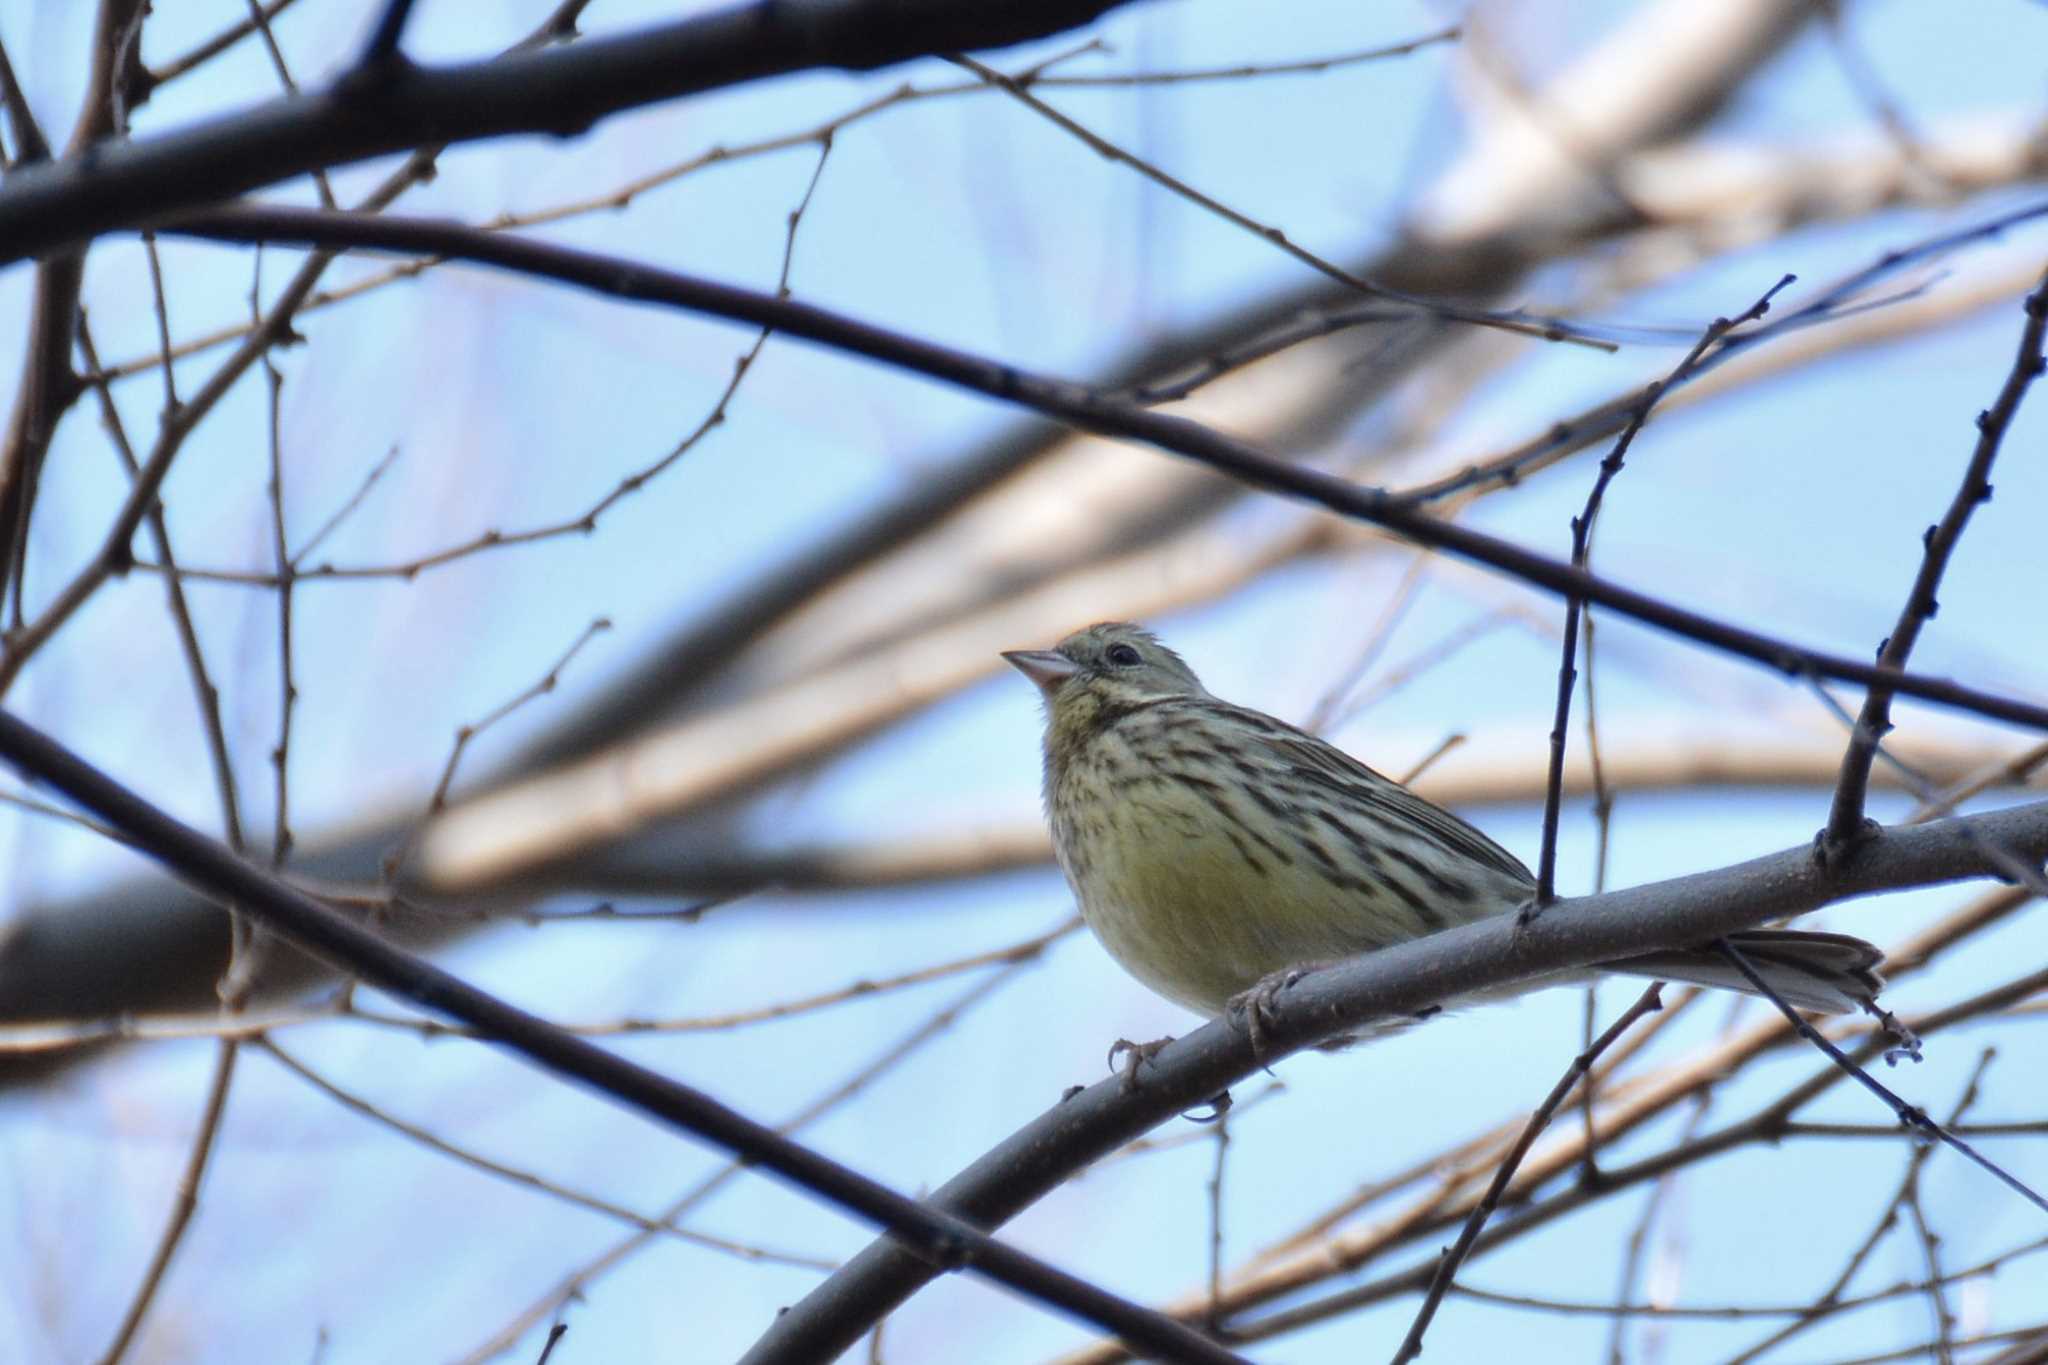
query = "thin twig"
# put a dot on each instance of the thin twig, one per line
(382, 46)
(1034, 76)
(287, 682)
(1582, 538)
(1741, 1312)
(1639, 1236)
(1325, 711)
(1412, 667)
(464, 734)
(1076, 404)
(1831, 1300)
(1524, 324)
(1024, 951)
(207, 697)
(183, 1203)
(206, 51)
(1838, 300)
(321, 185)
(1944, 1321)
(525, 1179)
(48, 386)
(1220, 1132)
(343, 512)
(1996, 773)
(1847, 825)
(1910, 1116)
(1650, 1001)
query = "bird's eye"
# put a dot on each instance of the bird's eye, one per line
(1123, 656)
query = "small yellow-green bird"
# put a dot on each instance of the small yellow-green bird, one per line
(1213, 847)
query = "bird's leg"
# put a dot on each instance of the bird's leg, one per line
(1258, 1004)
(1135, 1055)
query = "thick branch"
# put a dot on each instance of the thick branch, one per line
(941, 1240)
(1069, 402)
(1396, 981)
(561, 91)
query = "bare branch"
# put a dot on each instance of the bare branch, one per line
(561, 92)
(1581, 1068)
(1394, 981)
(1846, 826)
(945, 1241)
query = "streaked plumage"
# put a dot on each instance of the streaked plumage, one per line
(1211, 846)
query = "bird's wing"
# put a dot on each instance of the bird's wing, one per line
(1321, 761)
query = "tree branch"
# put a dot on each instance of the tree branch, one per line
(1396, 981)
(561, 92)
(1073, 403)
(1845, 817)
(941, 1241)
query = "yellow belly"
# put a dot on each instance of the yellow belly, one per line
(1200, 908)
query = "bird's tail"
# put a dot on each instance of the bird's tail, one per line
(1833, 973)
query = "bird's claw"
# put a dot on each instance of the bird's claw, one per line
(1259, 1007)
(1134, 1056)
(1905, 1043)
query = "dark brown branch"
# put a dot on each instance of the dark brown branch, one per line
(561, 92)
(1075, 404)
(943, 1241)
(48, 386)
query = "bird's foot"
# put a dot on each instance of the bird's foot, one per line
(1259, 1005)
(1905, 1043)
(1134, 1055)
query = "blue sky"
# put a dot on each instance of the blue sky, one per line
(1794, 505)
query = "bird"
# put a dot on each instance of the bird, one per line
(1218, 852)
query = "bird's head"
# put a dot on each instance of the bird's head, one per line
(1108, 667)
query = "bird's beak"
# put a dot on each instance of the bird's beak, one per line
(1046, 667)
